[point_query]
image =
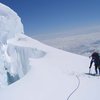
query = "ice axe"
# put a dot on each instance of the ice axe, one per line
(89, 70)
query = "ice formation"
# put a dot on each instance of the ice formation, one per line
(10, 26)
(10, 23)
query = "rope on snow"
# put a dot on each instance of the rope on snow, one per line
(78, 79)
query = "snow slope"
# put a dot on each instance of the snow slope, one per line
(53, 75)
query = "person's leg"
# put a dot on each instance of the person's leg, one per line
(99, 71)
(96, 71)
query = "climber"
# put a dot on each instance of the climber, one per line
(96, 60)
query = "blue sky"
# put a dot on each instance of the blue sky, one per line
(56, 16)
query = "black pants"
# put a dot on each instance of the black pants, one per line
(96, 69)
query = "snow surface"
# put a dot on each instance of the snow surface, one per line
(52, 75)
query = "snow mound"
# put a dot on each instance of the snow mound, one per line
(10, 23)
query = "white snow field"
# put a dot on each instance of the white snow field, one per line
(45, 73)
